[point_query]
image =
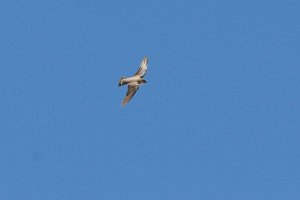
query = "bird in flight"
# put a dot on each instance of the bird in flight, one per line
(134, 81)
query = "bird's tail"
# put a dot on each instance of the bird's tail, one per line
(143, 81)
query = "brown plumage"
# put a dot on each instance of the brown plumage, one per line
(134, 81)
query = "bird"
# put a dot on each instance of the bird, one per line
(134, 81)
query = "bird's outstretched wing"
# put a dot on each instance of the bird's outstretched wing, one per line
(130, 93)
(143, 67)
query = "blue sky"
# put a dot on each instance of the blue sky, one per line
(218, 118)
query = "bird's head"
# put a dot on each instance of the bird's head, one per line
(121, 81)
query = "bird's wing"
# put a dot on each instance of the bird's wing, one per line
(143, 67)
(130, 93)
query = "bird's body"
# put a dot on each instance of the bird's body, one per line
(134, 81)
(130, 80)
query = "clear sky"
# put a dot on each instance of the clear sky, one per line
(218, 119)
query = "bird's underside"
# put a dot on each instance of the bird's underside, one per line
(134, 81)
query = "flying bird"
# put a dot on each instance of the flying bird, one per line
(134, 81)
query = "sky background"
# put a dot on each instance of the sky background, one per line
(218, 119)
